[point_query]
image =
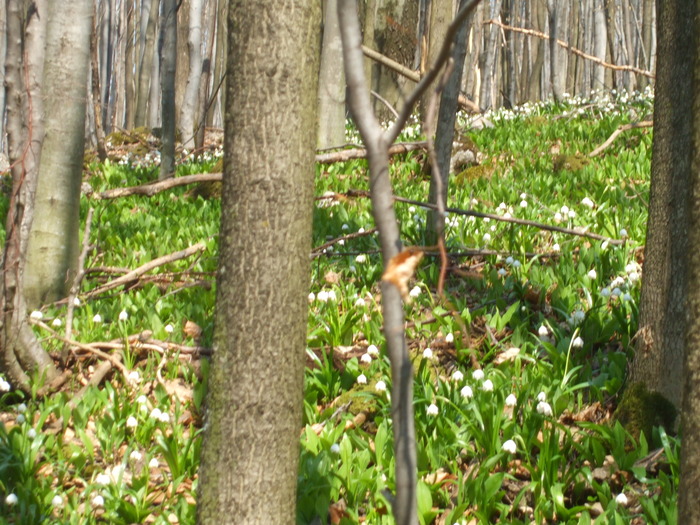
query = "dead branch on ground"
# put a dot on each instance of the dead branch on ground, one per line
(624, 127)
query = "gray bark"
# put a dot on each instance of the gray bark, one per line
(168, 60)
(248, 471)
(149, 14)
(487, 97)
(190, 100)
(599, 43)
(331, 84)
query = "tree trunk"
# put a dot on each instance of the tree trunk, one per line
(487, 97)
(440, 13)
(662, 310)
(599, 44)
(168, 60)
(219, 65)
(129, 79)
(558, 60)
(331, 82)
(26, 40)
(251, 438)
(190, 100)
(149, 13)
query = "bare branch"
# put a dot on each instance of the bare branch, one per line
(624, 127)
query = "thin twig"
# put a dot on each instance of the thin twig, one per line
(624, 127)
(318, 251)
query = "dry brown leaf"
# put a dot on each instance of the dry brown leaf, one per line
(179, 389)
(332, 277)
(438, 476)
(337, 511)
(508, 355)
(357, 421)
(192, 329)
(400, 269)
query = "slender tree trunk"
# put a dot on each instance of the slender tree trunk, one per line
(219, 65)
(662, 311)
(168, 60)
(149, 13)
(600, 44)
(487, 98)
(558, 16)
(182, 69)
(205, 81)
(255, 398)
(95, 95)
(647, 35)
(331, 84)
(440, 13)
(129, 78)
(3, 47)
(190, 100)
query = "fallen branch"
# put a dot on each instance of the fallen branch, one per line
(361, 153)
(152, 188)
(573, 50)
(624, 127)
(320, 250)
(138, 272)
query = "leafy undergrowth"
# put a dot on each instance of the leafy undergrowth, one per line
(517, 368)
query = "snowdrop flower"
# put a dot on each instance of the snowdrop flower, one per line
(487, 237)
(164, 417)
(523, 195)
(509, 260)
(577, 342)
(21, 408)
(335, 448)
(411, 209)
(332, 296)
(4, 386)
(360, 302)
(123, 315)
(345, 227)
(626, 297)
(556, 247)
(131, 422)
(523, 204)
(577, 317)
(633, 277)
(478, 374)
(142, 400)
(134, 377)
(623, 233)
(373, 350)
(510, 446)
(487, 386)
(415, 291)
(516, 263)
(605, 292)
(588, 202)
(544, 408)
(156, 413)
(153, 463)
(103, 479)
(592, 274)
(427, 353)
(366, 358)
(557, 217)
(616, 292)
(380, 386)
(97, 318)
(572, 214)
(502, 206)
(20, 419)
(31, 433)
(361, 258)
(36, 315)
(621, 499)
(362, 379)
(467, 392)
(98, 501)
(502, 272)
(449, 338)
(322, 296)
(541, 397)
(135, 455)
(617, 281)
(543, 331)
(11, 499)
(511, 400)
(57, 501)
(457, 375)
(361, 230)
(169, 328)
(76, 301)
(56, 323)
(311, 297)
(432, 409)
(564, 210)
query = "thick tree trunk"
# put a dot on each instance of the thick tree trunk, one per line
(662, 311)
(331, 82)
(251, 439)
(168, 60)
(186, 125)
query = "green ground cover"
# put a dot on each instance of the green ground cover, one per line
(517, 369)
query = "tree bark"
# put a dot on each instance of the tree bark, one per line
(168, 61)
(440, 13)
(331, 85)
(186, 125)
(487, 97)
(149, 13)
(662, 310)
(251, 438)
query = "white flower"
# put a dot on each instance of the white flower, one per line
(36, 315)
(605, 292)
(134, 377)
(427, 353)
(564, 209)
(380, 386)
(31, 433)
(487, 237)
(502, 272)
(335, 448)
(626, 297)
(557, 217)
(98, 501)
(20, 419)
(432, 409)
(362, 379)
(131, 422)
(541, 397)
(556, 247)
(487, 386)
(169, 328)
(415, 291)
(411, 209)
(633, 277)
(21, 408)
(511, 400)
(56, 323)
(156, 413)
(588, 202)
(621, 499)
(457, 375)
(103, 479)
(361, 230)
(523, 195)
(577, 317)
(366, 358)
(509, 260)
(142, 400)
(11, 499)
(76, 301)
(345, 227)
(502, 206)
(135, 455)
(361, 258)
(360, 302)
(466, 392)
(544, 408)
(4, 386)
(322, 296)
(449, 338)
(164, 417)
(516, 263)
(478, 374)
(123, 315)
(577, 342)
(153, 463)
(523, 203)
(592, 274)
(97, 318)
(332, 296)
(373, 350)
(572, 214)
(543, 331)
(510, 447)
(623, 233)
